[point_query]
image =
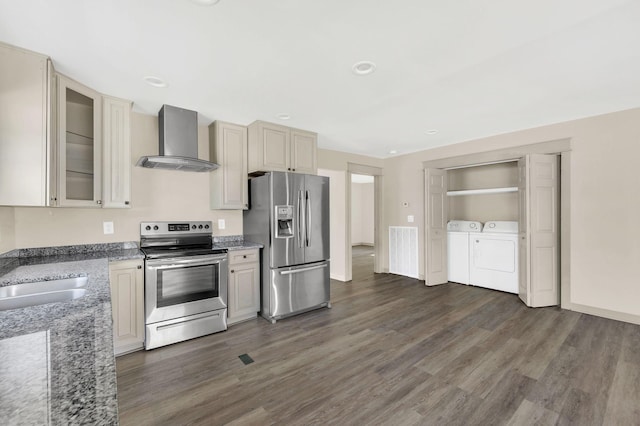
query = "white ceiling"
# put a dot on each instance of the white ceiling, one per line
(467, 68)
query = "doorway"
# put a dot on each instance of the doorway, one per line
(362, 225)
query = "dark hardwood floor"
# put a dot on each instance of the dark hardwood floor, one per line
(394, 352)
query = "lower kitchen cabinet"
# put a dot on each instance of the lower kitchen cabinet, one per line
(244, 285)
(127, 303)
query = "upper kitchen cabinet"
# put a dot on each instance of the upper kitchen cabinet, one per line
(93, 148)
(228, 147)
(116, 161)
(61, 143)
(79, 145)
(304, 146)
(273, 147)
(25, 127)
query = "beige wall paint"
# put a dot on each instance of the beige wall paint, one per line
(604, 201)
(489, 206)
(362, 213)
(338, 228)
(7, 229)
(155, 195)
(336, 160)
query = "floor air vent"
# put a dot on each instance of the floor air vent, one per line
(403, 251)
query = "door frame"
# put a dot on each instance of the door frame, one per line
(560, 147)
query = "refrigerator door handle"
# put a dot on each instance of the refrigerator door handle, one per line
(307, 226)
(296, 271)
(300, 218)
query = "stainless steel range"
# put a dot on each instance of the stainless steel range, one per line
(185, 282)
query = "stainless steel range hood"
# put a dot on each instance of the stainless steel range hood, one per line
(178, 131)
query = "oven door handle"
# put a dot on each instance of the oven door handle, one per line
(178, 262)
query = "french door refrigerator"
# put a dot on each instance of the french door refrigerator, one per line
(289, 214)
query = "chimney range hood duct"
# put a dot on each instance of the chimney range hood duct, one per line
(178, 131)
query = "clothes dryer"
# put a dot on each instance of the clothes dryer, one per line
(493, 258)
(458, 249)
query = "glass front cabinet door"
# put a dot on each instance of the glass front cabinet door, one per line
(79, 149)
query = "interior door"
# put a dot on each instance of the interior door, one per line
(316, 218)
(539, 233)
(523, 217)
(436, 230)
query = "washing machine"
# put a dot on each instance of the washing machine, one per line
(458, 249)
(493, 256)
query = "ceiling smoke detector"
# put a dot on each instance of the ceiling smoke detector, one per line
(363, 68)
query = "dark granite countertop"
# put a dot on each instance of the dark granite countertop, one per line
(57, 364)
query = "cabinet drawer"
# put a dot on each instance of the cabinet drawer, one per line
(243, 256)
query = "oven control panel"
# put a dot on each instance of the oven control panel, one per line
(175, 228)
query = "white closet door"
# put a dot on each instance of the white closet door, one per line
(539, 219)
(436, 229)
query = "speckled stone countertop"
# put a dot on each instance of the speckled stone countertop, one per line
(56, 360)
(234, 242)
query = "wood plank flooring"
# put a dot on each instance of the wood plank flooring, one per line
(394, 352)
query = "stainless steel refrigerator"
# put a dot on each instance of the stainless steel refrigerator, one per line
(289, 214)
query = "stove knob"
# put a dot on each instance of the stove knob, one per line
(155, 227)
(148, 228)
(206, 227)
(193, 227)
(200, 226)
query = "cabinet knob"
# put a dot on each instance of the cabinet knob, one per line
(289, 168)
(126, 203)
(244, 256)
(99, 201)
(232, 271)
(139, 266)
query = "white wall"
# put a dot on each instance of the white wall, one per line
(338, 228)
(156, 195)
(362, 217)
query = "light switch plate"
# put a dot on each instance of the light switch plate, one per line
(221, 224)
(107, 227)
(410, 218)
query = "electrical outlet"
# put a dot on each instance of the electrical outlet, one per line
(107, 227)
(410, 218)
(221, 224)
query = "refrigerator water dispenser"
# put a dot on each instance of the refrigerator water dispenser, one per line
(284, 221)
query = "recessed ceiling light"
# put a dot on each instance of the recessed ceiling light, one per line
(206, 2)
(283, 116)
(363, 67)
(393, 151)
(432, 132)
(155, 81)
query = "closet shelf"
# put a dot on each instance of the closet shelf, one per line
(482, 191)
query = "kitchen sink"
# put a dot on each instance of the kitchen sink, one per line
(41, 292)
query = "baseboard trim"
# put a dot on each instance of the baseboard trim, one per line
(128, 348)
(338, 277)
(605, 313)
